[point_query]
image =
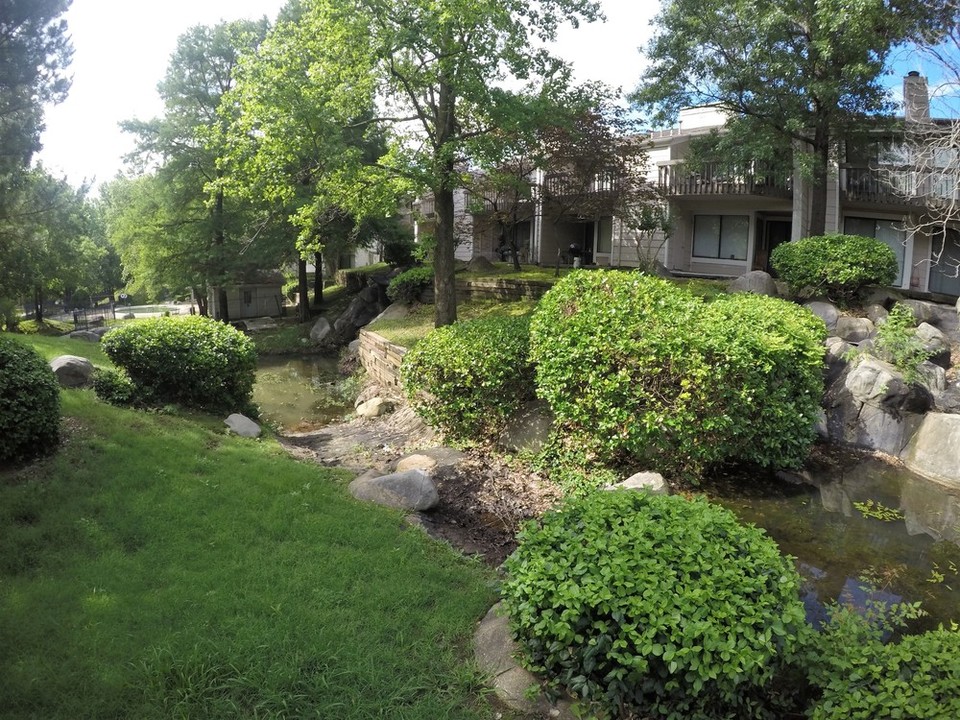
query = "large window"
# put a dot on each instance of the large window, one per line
(721, 237)
(889, 231)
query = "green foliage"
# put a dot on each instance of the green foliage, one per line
(194, 361)
(29, 403)
(839, 266)
(898, 343)
(878, 511)
(861, 677)
(468, 378)
(114, 387)
(407, 286)
(634, 366)
(653, 605)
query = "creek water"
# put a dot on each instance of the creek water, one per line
(298, 394)
(864, 530)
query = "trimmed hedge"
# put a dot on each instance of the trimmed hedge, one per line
(29, 403)
(469, 377)
(839, 266)
(637, 368)
(407, 286)
(194, 361)
(654, 605)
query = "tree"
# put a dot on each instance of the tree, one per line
(225, 234)
(788, 71)
(442, 70)
(35, 51)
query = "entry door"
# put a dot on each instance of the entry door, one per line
(773, 232)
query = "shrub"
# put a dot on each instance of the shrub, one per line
(29, 403)
(897, 342)
(194, 361)
(114, 387)
(636, 368)
(407, 286)
(468, 378)
(839, 266)
(653, 604)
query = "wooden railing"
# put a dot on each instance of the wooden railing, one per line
(897, 186)
(724, 179)
(560, 185)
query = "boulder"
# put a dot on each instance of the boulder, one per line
(936, 343)
(359, 312)
(932, 451)
(101, 331)
(757, 282)
(480, 264)
(836, 358)
(242, 426)
(825, 311)
(409, 490)
(418, 461)
(129, 316)
(84, 335)
(528, 429)
(651, 482)
(949, 400)
(854, 329)
(933, 377)
(72, 371)
(942, 316)
(877, 313)
(321, 328)
(354, 347)
(374, 407)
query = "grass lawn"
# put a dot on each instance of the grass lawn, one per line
(158, 568)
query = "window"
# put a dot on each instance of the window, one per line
(247, 297)
(721, 237)
(885, 230)
(605, 235)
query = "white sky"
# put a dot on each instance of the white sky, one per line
(122, 47)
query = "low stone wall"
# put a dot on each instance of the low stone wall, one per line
(501, 289)
(381, 358)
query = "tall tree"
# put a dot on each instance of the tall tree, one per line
(788, 71)
(185, 145)
(442, 69)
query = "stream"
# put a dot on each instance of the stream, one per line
(302, 393)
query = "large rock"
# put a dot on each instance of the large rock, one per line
(949, 400)
(854, 329)
(932, 377)
(410, 490)
(757, 282)
(936, 342)
(417, 461)
(84, 335)
(876, 313)
(374, 407)
(836, 358)
(242, 426)
(321, 328)
(942, 316)
(480, 264)
(72, 371)
(651, 482)
(825, 311)
(934, 450)
(361, 310)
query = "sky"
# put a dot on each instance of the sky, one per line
(122, 48)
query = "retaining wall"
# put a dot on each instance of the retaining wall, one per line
(381, 358)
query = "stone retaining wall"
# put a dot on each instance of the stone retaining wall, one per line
(501, 289)
(381, 358)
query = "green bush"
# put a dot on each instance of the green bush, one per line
(862, 678)
(654, 605)
(838, 266)
(638, 369)
(114, 387)
(29, 403)
(897, 342)
(407, 286)
(468, 378)
(194, 361)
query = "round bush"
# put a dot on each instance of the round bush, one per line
(468, 378)
(407, 286)
(634, 366)
(114, 387)
(917, 677)
(654, 604)
(838, 266)
(29, 403)
(194, 361)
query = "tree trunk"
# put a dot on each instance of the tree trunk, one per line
(317, 279)
(38, 304)
(303, 306)
(201, 298)
(445, 307)
(223, 311)
(818, 197)
(514, 249)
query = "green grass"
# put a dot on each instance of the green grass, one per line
(51, 346)
(505, 271)
(158, 568)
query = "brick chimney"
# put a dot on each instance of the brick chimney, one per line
(916, 99)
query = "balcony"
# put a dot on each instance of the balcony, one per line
(565, 185)
(724, 179)
(891, 185)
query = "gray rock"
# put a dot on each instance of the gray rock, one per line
(933, 377)
(354, 346)
(825, 311)
(374, 407)
(72, 371)
(528, 429)
(242, 426)
(876, 313)
(480, 264)
(942, 316)
(651, 482)
(359, 312)
(410, 490)
(871, 379)
(418, 461)
(936, 343)
(321, 328)
(836, 358)
(129, 316)
(949, 400)
(394, 311)
(854, 329)
(258, 324)
(84, 335)
(757, 282)
(933, 450)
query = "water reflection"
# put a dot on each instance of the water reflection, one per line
(300, 393)
(911, 554)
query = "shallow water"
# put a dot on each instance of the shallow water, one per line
(298, 394)
(910, 553)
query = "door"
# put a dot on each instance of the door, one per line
(773, 232)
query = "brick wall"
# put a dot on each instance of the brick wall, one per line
(381, 358)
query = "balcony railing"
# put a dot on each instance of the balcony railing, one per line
(724, 179)
(893, 185)
(562, 185)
